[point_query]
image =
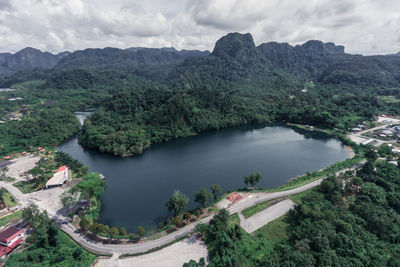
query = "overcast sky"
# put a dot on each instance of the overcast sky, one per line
(362, 26)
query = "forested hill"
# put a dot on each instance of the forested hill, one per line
(27, 59)
(236, 84)
(130, 58)
(236, 58)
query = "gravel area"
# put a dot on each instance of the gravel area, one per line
(173, 256)
(20, 166)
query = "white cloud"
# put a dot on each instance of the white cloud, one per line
(363, 26)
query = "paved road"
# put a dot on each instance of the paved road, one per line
(265, 216)
(145, 246)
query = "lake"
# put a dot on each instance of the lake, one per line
(139, 186)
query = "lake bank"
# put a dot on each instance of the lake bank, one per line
(139, 186)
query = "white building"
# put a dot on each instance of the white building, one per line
(59, 178)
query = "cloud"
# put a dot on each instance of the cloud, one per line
(363, 26)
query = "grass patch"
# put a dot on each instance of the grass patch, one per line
(26, 187)
(275, 231)
(297, 197)
(7, 179)
(250, 211)
(14, 217)
(233, 219)
(9, 200)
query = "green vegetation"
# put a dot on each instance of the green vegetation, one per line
(12, 218)
(48, 245)
(275, 231)
(202, 197)
(8, 199)
(216, 191)
(74, 164)
(91, 189)
(177, 202)
(253, 179)
(250, 211)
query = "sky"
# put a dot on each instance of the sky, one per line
(362, 26)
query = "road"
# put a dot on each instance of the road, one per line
(63, 222)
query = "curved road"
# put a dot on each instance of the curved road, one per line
(102, 248)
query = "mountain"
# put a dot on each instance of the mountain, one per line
(309, 59)
(360, 70)
(131, 58)
(27, 59)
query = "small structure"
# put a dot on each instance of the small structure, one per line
(59, 178)
(387, 132)
(10, 239)
(234, 197)
(368, 141)
(397, 151)
(356, 130)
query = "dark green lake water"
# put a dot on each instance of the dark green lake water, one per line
(139, 186)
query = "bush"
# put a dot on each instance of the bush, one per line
(187, 215)
(197, 213)
(141, 231)
(176, 220)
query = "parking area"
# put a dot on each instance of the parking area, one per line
(19, 166)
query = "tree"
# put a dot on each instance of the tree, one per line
(177, 202)
(114, 231)
(384, 150)
(202, 197)
(91, 186)
(141, 230)
(84, 224)
(122, 231)
(52, 233)
(216, 190)
(186, 215)
(176, 220)
(69, 199)
(371, 155)
(246, 180)
(255, 178)
(366, 170)
(78, 253)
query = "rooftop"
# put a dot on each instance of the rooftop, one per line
(9, 234)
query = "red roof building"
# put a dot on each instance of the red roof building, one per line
(62, 168)
(10, 239)
(10, 235)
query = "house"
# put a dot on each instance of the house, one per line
(10, 239)
(368, 141)
(356, 130)
(387, 132)
(59, 178)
